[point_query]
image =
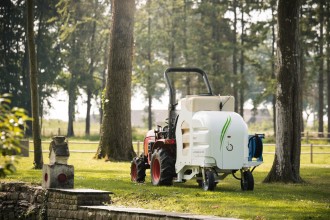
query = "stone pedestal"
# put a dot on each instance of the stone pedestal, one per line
(57, 176)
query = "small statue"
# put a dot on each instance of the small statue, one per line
(58, 150)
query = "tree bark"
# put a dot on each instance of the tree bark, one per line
(116, 136)
(88, 113)
(90, 84)
(38, 159)
(328, 65)
(72, 89)
(321, 72)
(242, 78)
(150, 86)
(71, 104)
(235, 89)
(302, 69)
(286, 165)
(273, 5)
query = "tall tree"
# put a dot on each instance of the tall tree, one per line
(273, 23)
(242, 78)
(14, 59)
(328, 65)
(151, 47)
(150, 87)
(14, 69)
(91, 67)
(286, 165)
(116, 136)
(321, 70)
(97, 26)
(38, 160)
(235, 5)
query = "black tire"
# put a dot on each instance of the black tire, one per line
(209, 184)
(199, 180)
(247, 181)
(200, 183)
(138, 170)
(162, 168)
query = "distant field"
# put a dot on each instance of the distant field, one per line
(58, 127)
(53, 127)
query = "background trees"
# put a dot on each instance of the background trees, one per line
(233, 41)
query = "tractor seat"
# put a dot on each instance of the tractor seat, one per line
(208, 103)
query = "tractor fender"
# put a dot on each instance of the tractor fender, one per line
(168, 144)
(149, 139)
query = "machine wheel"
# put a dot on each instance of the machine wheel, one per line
(199, 180)
(162, 168)
(138, 170)
(247, 181)
(209, 183)
(200, 183)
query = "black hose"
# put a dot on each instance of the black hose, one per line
(233, 173)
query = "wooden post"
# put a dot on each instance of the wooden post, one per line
(307, 138)
(311, 153)
(59, 131)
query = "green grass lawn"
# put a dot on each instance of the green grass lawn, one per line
(310, 200)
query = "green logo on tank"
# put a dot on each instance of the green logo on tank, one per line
(224, 130)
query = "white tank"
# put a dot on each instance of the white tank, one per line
(219, 137)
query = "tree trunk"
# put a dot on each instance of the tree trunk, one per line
(105, 63)
(149, 112)
(242, 79)
(88, 113)
(273, 5)
(321, 73)
(302, 70)
(172, 53)
(116, 125)
(150, 85)
(90, 85)
(27, 86)
(328, 65)
(286, 165)
(38, 159)
(71, 104)
(215, 38)
(235, 89)
(72, 88)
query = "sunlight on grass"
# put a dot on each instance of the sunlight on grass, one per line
(268, 201)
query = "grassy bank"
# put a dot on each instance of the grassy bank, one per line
(268, 201)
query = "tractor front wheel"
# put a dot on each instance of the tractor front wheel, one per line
(162, 168)
(209, 184)
(247, 181)
(138, 170)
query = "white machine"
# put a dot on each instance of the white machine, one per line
(204, 139)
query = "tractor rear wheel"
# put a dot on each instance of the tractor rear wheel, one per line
(247, 181)
(209, 184)
(162, 168)
(138, 170)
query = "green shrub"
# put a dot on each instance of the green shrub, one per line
(12, 121)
